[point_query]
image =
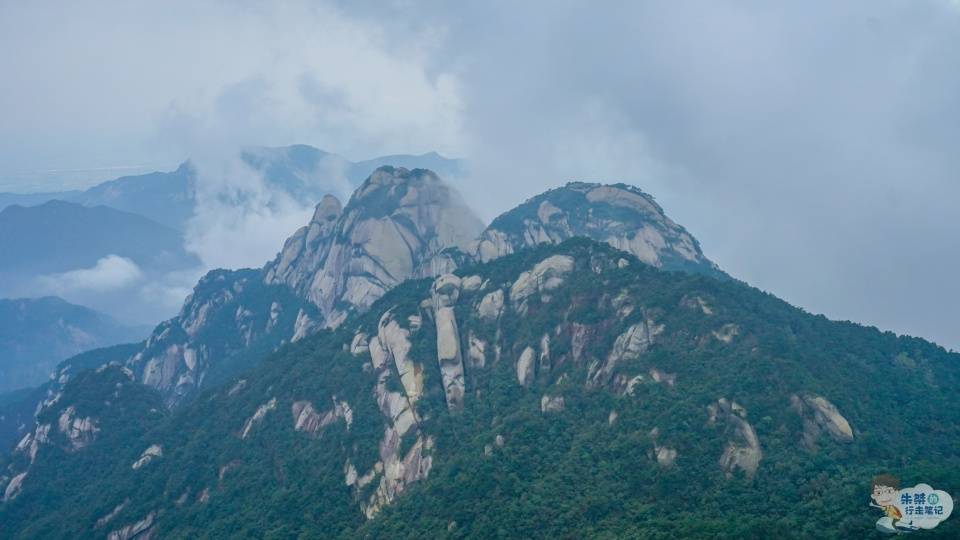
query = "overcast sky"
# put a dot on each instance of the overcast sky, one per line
(812, 147)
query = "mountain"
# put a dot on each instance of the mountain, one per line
(300, 171)
(620, 215)
(18, 408)
(164, 197)
(394, 227)
(57, 237)
(566, 390)
(36, 334)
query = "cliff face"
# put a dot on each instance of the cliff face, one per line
(393, 228)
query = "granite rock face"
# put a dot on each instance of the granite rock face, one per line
(393, 228)
(819, 417)
(620, 215)
(399, 224)
(742, 451)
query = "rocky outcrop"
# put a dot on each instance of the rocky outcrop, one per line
(477, 351)
(546, 275)
(620, 215)
(743, 450)
(629, 345)
(14, 487)
(31, 442)
(820, 416)
(79, 431)
(525, 366)
(106, 519)
(142, 530)
(393, 228)
(393, 343)
(152, 452)
(726, 333)
(663, 377)
(665, 456)
(491, 306)
(228, 313)
(257, 417)
(444, 294)
(308, 420)
(551, 404)
(399, 471)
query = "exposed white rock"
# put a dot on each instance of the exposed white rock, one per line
(152, 452)
(612, 417)
(307, 419)
(727, 332)
(491, 306)
(445, 292)
(629, 345)
(582, 209)
(360, 344)
(79, 431)
(545, 364)
(665, 456)
(549, 404)
(476, 352)
(103, 521)
(378, 355)
(396, 342)
(304, 326)
(631, 385)
(743, 450)
(394, 405)
(546, 275)
(663, 377)
(820, 415)
(399, 471)
(525, 365)
(240, 385)
(257, 417)
(394, 228)
(471, 283)
(134, 529)
(14, 487)
(31, 442)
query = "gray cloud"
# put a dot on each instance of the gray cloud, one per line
(809, 146)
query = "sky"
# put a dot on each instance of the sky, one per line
(811, 147)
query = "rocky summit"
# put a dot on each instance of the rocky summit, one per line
(578, 369)
(620, 215)
(394, 227)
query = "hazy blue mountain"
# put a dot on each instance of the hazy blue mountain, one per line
(36, 334)
(164, 197)
(302, 171)
(33, 199)
(60, 236)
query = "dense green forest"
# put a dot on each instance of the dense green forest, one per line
(503, 467)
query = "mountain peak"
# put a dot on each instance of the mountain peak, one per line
(621, 215)
(395, 222)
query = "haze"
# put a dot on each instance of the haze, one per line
(810, 147)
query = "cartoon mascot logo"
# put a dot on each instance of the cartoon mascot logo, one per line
(910, 509)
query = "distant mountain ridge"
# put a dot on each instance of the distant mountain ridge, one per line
(37, 333)
(302, 171)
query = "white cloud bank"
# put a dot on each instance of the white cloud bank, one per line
(111, 273)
